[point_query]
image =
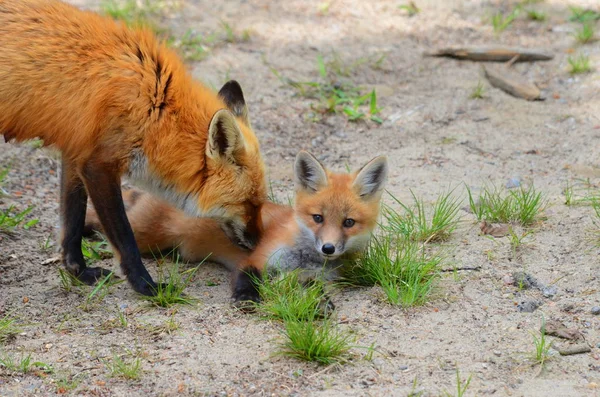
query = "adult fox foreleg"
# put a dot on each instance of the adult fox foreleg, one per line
(104, 188)
(73, 203)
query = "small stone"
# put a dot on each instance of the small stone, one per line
(592, 385)
(378, 363)
(497, 353)
(523, 280)
(528, 306)
(596, 310)
(508, 280)
(550, 291)
(513, 183)
(25, 299)
(48, 346)
(403, 367)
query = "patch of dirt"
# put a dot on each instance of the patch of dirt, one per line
(434, 137)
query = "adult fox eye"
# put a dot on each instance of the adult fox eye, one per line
(349, 222)
(318, 218)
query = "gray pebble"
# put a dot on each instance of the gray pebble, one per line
(497, 353)
(596, 310)
(528, 306)
(403, 367)
(513, 183)
(550, 291)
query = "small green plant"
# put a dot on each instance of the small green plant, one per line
(334, 95)
(3, 175)
(135, 13)
(171, 284)
(100, 290)
(23, 365)
(319, 341)
(522, 205)
(128, 369)
(478, 91)
(461, 387)
(579, 14)
(517, 240)
(231, 36)
(66, 383)
(410, 8)
(596, 221)
(11, 218)
(95, 250)
(541, 353)
(582, 192)
(585, 34)
(414, 224)
(285, 297)
(402, 268)
(579, 64)
(536, 15)
(68, 281)
(8, 328)
(192, 45)
(500, 22)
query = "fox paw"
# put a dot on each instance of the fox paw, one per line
(90, 275)
(245, 292)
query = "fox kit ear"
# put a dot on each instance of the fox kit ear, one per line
(370, 180)
(309, 174)
(224, 136)
(231, 93)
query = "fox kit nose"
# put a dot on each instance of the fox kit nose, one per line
(328, 248)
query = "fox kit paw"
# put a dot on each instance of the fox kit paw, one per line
(90, 275)
(245, 291)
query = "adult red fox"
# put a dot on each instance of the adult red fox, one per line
(332, 220)
(116, 102)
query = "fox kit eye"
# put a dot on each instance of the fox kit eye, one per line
(318, 218)
(349, 222)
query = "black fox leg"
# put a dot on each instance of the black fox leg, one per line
(104, 188)
(73, 203)
(246, 284)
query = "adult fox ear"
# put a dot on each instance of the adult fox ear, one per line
(224, 137)
(309, 174)
(231, 93)
(371, 178)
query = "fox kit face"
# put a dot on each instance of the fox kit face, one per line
(220, 175)
(338, 211)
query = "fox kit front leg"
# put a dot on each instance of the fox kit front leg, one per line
(104, 187)
(73, 207)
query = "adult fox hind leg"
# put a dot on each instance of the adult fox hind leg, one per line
(73, 207)
(104, 189)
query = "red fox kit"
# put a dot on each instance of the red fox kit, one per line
(117, 103)
(332, 220)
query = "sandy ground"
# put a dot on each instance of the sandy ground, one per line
(434, 136)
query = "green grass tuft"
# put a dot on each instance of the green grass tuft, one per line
(518, 205)
(585, 34)
(410, 8)
(500, 22)
(24, 364)
(413, 222)
(583, 15)
(541, 352)
(579, 64)
(8, 328)
(286, 298)
(461, 387)
(119, 367)
(402, 268)
(536, 15)
(11, 218)
(321, 342)
(171, 283)
(478, 92)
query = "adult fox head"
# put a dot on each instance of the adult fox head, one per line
(338, 211)
(218, 173)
